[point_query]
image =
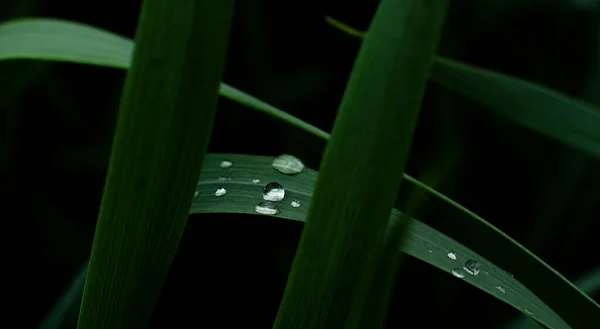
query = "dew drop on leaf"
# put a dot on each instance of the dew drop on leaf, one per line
(220, 192)
(288, 164)
(273, 192)
(196, 194)
(256, 181)
(295, 203)
(226, 164)
(472, 267)
(458, 273)
(500, 289)
(452, 255)
(266, 208)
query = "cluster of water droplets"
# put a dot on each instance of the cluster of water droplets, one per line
(471, 267)
(272, 192)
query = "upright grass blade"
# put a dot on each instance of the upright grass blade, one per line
(163, 129)
(421, 241)
(342, 241)
(546, 111)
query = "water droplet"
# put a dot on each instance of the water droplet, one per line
(452, 255)
(273, 192)
(430, 251)
(458, 273)
(220, 192)
(223, 179)
(295, 203)
(196, 194)
(266, 208)
(500, 289)
(527, 312)
(288, 164)
(226, 164)
(472, 267)
(256, 181)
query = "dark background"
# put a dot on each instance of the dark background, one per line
(57, 121)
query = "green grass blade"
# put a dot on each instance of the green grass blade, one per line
(65, 312)
(65, 41)
(342, 241)
(163, 129)
(546, 111)
(421, 241)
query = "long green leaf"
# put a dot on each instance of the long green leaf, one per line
(546, 111)
(342, 242)
(421, 241)
(163, 129)
(65, 41)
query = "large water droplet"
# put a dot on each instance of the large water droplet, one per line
(220, 192)
(500, 289)
(273, 192)
(458, 273)
(256, 181)
(452, 255)
(295, 203)
(472, 267)
(288, 164)
(226, 164)
(266, 208)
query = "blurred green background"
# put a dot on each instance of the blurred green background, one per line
(57, 122)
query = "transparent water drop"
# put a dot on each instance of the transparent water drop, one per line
(222, 179)
(458, 273)
(226, 164)
(220, 192)
(266, 208)
(527, 312)
(472, 267)
(256, 181)
(196, 194)
(452, 255)
(295, 203)
(288, 164)
(430, 251)
(500, 289)
(273, 192)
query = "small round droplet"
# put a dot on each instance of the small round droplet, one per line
(256, 181)
(500, 289)
(458, 273)
(288, 164)
(196, 194)
(472, 267)
(527, 312)
(295, 203)
(222, 179)
(452, 255)
(220, 192)
(266, 208)
(273, 192)
(430, 251)
(226, 164)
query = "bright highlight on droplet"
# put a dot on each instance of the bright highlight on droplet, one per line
(458, 273)
(452, 255)
(288, 164)
(472, 267)
(295, 203)
(226, 164)
(220, 192)
(196, 194)
(266, 208)
(527, 312)
(256, 181)
(273, 192)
